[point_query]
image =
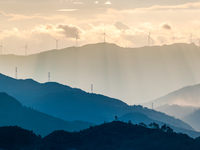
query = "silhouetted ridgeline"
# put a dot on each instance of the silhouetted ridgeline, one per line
(14, 137)
(13, 113)
(193, 119)
(178, 111)
(186, 96)
(142, 74)
(115, 135)
(72, 104)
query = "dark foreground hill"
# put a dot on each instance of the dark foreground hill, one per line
(13, 113)
(114, 136)
(13, 137)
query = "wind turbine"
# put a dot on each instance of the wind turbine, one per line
(76, 40)
(26, 48)
(104, 34)
(1, 47)
(163, 42)
(191, 35)
(197, 39)
(150, 38)
(57, 40)
(173, 37)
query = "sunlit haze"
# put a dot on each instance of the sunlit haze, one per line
(127, 23)
(128, 67)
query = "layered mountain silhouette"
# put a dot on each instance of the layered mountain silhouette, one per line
(120, 135)
(138, 118)
(72, 104)
(178, 111)
(134, 75)
(114, 135)
(13, 113)
(193, 119)
(187, 96)
(27, 90)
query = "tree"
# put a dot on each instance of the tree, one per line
(169, 130)
(116, 118)
(142, 124)
(154, 125)
(164, 127)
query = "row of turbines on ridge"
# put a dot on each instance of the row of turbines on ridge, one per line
(150, 41)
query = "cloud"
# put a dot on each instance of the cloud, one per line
(162, 39)
(58, 30)
(67, 9)
(166, 26)
(108, 3)
(120, 25)
(78, 3)
(16, 17)
(172, 7)
(69, 31)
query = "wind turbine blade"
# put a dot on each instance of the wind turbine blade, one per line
(149, 33)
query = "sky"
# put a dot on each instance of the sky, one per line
(126, 23)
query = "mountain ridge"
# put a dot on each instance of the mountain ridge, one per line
(113, 135)
(72, 104)
(186, 96)
(13, 113)
(122, 73)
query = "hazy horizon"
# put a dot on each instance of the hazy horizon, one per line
(36, 25)
(99, 68)
(126, 23)
(133, 75)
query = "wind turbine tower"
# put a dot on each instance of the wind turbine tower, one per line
(76, 40)
(149, 38)
(199, 41)
(104, 34)
(162, 42)
(26, 48)
(49, 76)
(191, 37)
(91, 88)
(1, 48)
(57, 40)
(15, 72)
(173, 38)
